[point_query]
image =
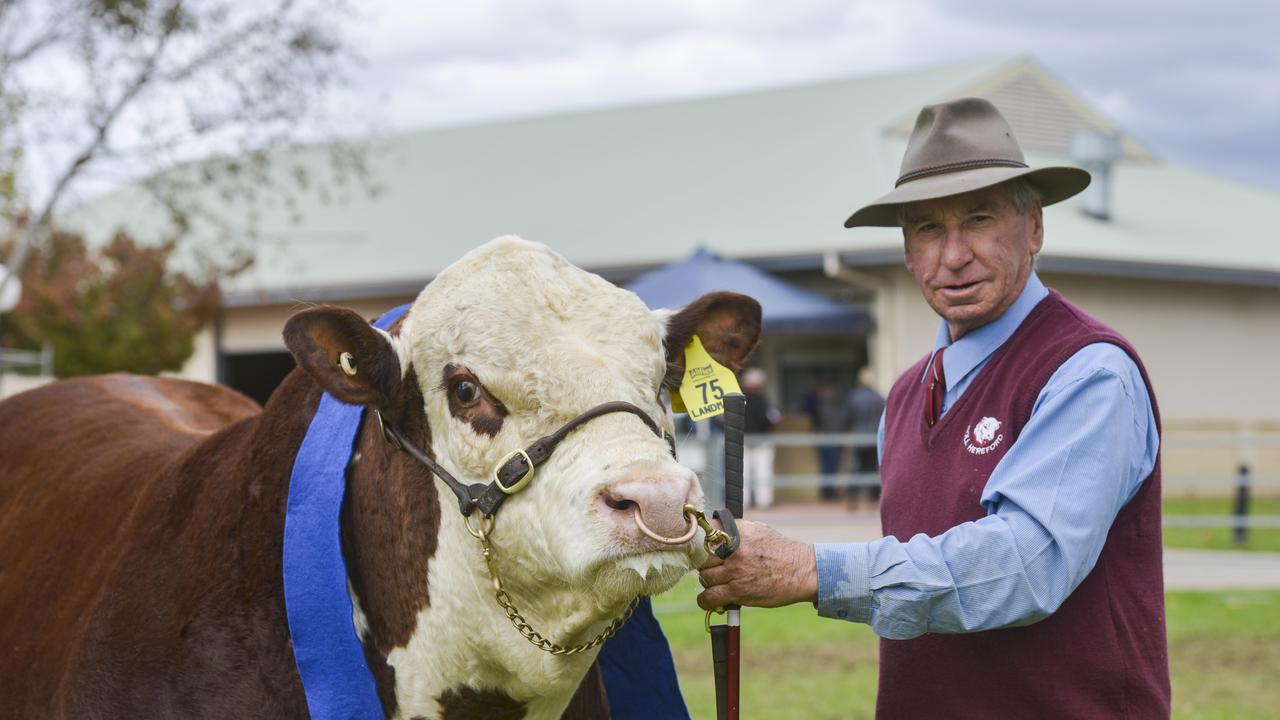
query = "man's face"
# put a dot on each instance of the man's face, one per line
(971, 254)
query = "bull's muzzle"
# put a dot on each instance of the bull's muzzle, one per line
(653, 507)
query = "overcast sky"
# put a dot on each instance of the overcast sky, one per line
(1198, 82)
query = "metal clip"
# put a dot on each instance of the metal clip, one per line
(713, 536)
(706, 623)
(481, 533)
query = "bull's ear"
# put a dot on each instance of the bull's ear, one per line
(727, 323)
(351, 359)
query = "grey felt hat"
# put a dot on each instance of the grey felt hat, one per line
(960, 146)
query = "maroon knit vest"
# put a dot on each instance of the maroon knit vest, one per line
(1103, 654)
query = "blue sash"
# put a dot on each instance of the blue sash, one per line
(639, 674)
(329, 656)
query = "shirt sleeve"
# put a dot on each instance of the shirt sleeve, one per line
(880, 437)
(1090, 442)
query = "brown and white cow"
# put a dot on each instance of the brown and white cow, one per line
(141, 519)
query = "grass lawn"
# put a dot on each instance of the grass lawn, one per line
(1265, 539)
(1224, 655)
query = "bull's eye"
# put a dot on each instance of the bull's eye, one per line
(470, 402)
(466, 392)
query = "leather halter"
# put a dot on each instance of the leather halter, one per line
(514, 471)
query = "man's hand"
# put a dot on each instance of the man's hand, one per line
(769, 569)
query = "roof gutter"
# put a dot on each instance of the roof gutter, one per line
(843, 263)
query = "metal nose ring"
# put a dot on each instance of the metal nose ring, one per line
(693, 528)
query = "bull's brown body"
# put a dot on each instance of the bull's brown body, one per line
(142, 520)
(141, 523)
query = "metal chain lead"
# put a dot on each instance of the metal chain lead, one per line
(518, 621)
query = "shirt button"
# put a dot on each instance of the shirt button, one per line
(842, 613)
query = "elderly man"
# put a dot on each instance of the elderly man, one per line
(1020, 574)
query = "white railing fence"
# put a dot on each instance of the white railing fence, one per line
(24, 369)
(702, 451)
(40, 361)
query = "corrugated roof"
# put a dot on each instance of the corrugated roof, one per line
(762, 174)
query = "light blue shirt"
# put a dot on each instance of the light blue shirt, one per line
(1083, 454)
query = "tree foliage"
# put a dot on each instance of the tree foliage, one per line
(111, 91)
(119, 308)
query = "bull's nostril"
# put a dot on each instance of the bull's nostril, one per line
(617, 504)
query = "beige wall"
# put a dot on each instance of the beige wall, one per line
(258, 329)
(1208, 348)
(202, 366)
(904, 325)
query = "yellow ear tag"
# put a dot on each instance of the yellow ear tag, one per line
(704, 385)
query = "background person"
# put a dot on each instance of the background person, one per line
(826, 408)
(761, 416)
(865, 408)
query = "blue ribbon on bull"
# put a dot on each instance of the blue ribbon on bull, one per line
(639, 674)
(330, 659)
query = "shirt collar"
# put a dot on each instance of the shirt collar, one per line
(975, 346)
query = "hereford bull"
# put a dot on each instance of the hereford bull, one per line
(141, 518)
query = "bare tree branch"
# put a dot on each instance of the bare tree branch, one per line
(34, 231)
(50, 37)
(160, 83)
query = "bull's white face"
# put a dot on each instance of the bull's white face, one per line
(508, 344)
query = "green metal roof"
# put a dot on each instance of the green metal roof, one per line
(766, 174)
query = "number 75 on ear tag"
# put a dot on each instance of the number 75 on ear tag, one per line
(704, 385)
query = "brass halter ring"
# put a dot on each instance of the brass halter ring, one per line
(486, 526)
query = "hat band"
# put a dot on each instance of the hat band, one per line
(962, 165)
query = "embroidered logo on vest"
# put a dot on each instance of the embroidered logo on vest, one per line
(981, 439)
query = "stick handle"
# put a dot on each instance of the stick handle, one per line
(735, 417)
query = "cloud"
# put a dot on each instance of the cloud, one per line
(1194, 81)
(1197, 82)
(439, 64)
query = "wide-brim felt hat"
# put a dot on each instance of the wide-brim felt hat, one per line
(960, 146)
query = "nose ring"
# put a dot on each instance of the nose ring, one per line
(693, 529)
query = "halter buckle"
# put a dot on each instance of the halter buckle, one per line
(524, 479)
